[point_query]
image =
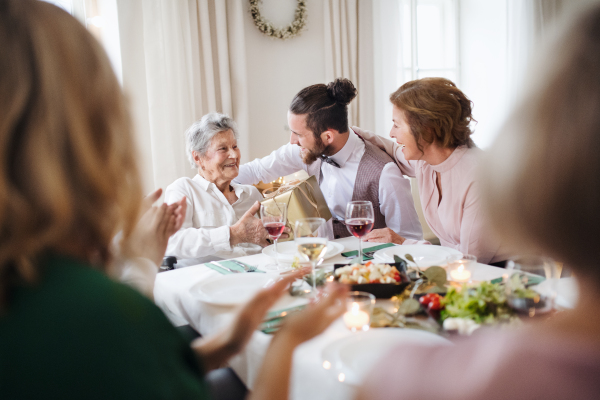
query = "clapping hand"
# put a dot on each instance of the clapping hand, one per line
(217, 349)
(151, 234)
(317, 317)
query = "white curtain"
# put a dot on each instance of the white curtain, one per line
(530, 23)
(349, 53)
(180, 60)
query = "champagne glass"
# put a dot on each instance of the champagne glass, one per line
(273, 216)
(359, 221)
(531, 287)
(310, 246)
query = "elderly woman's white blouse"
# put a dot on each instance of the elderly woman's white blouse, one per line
(204, 235)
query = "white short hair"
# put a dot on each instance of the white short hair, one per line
(199, 135)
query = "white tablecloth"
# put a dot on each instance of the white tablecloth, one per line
(172, 293)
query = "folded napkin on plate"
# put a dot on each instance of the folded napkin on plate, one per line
(374, 248)
(228, 264)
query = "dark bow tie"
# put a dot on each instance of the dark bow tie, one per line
(330, 161)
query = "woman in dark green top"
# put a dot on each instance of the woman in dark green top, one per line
(68, 184)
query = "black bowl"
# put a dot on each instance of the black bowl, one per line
(382, 290)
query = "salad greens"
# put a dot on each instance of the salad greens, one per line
(484, 303)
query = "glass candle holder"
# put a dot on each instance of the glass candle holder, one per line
(360, 307)
(460, 268)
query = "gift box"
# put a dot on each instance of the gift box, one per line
(304, 199)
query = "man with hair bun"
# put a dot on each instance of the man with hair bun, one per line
(347, 168)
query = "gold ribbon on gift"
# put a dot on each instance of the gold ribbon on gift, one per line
(304, 199)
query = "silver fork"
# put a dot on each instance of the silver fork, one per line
(224, 267)
(247, 268)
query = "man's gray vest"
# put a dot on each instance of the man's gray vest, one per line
(366, 185)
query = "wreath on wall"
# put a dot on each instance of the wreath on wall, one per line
(292, 30)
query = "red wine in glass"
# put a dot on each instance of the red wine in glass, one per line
(273, 216)
(275, 229)
(359, 221)
(359, 227)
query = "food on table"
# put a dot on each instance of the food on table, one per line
(431, 301)
(484, 303)
(462, 326)
(367, 273)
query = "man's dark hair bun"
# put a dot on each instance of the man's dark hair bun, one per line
(341, 90)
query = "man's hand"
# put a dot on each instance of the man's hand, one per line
(249, 229)
(385, 235)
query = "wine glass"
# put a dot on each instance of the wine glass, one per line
(531, 286)
(310, 246)
(273, 216)
(359, 221)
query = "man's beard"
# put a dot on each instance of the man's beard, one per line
(311, 155)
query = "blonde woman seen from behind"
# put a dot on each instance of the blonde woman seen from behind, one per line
(68, 184)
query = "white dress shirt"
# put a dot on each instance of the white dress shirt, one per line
(395, 199)
(204, 235)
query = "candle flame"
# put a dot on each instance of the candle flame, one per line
(355, 308)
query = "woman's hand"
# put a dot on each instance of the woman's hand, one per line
(151, 234)
(274, 377)
(317, 317)
(216, 350)
(249, 229)
(385, 235)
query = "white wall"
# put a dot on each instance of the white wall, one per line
(278, 69)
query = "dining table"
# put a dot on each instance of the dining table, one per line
(175, 292)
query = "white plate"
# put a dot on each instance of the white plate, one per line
(231, 290)
(286, 251)
(424, 255)
(354, 355)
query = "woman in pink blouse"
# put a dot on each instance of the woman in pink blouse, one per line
(431, 126)
(542, 189)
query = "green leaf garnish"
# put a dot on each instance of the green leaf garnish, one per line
(436, 275)
(409, 307)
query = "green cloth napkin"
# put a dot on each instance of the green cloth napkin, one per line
(272, 325)
(533, 280)
(228, 264)
(374, 248)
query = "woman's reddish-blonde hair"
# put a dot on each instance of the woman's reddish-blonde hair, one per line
(68, 175)
(436, 111)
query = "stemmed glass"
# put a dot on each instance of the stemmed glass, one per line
(273, 216)
(531, 285)
(310, 246)
(359, 221)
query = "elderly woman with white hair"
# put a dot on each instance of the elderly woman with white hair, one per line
(219, 221)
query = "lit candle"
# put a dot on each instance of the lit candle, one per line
(356, 319)
(460, 274)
